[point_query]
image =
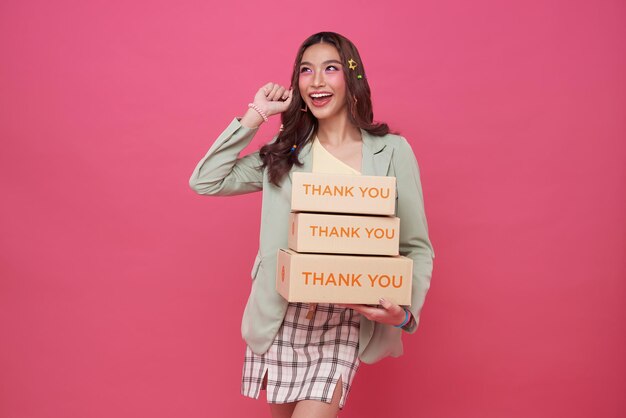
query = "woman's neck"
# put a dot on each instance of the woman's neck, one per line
(337, 131)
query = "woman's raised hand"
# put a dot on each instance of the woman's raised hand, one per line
(273, 98)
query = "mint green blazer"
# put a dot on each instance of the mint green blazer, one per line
(222, 172)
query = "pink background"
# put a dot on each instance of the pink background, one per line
(122, 291)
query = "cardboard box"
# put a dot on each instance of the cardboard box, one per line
(344, 234)
(324, 278)
(343, 193)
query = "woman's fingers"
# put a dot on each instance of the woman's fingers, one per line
(280, 93)
(388, 313)
(390, 306)
(268, 88)
(275, 92)
(273, 98)
(396, 312)
(368, 311)
(287, 97)
(269, 94)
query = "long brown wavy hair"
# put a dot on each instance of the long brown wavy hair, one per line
(298, 125)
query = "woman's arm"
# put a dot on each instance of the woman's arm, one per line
(221, 172)
(414, 241)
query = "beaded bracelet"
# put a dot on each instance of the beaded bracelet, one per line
(262, 113)
(406, 319)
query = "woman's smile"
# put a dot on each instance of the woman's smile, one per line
(320, 99)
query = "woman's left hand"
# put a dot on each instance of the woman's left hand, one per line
(390, 313)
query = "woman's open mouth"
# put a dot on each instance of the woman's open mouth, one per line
(320, 99)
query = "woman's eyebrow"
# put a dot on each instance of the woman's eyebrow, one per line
(325, 62)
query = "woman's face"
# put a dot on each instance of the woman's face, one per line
(321, 71)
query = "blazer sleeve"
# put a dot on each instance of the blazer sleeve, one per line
(221, 172)
(414, 241)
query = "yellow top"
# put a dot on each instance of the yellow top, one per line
(325, 162)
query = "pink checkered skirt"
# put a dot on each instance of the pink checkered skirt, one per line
(307, 357)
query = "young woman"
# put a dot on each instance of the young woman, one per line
(306, 355)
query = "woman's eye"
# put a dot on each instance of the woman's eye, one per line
(303, 69)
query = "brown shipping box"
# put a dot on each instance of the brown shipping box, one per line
(343, 193)
(344, 234)
(325, 278)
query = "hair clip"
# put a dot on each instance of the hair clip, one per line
(293, 148)
(352, 64)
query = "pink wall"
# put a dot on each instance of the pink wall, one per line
(121, 290)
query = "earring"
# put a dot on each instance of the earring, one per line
(306, 108)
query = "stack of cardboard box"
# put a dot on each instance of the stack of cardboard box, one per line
(343, 242)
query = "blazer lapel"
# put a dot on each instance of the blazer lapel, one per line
(376, 156)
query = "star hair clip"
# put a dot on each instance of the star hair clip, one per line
(352, 64)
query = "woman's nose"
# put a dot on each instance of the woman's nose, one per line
(318, 79)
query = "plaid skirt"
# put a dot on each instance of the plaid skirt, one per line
(307, 357)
